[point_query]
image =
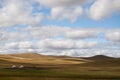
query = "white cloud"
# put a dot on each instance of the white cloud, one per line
(30, 33)
(25, 45)
(55, 40)
(63, 44)
(113, 36)
(11, 45)
(64, 3)
(15, 12)
(17, 47)
(72, 10)
(47, 31)
(85, 45)
(56, 44)
(64, 9)
(62, 13)
(103, 8)
(48, 46)
(82, 34)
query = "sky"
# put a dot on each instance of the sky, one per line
(78, 28)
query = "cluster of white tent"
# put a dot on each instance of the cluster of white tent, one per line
(14, 66)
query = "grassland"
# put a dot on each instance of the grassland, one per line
(39, 67)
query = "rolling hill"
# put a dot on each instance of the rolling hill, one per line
(38, 59)
(39, 67)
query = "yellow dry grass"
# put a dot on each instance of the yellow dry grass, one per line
(41, 59)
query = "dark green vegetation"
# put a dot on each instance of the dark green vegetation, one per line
(39, 67)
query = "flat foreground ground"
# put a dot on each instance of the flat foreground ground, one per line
(32, 74)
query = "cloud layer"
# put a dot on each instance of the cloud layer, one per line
(55, 40)
(21, 29)
(13, 12)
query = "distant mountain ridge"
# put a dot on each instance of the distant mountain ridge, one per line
(100, 57)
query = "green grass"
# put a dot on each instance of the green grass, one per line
(33, 74)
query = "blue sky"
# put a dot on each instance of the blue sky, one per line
(83, 21)
(60, 27)
(111, 22)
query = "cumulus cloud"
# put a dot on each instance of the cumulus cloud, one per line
(55, 40)
(11, 45)
(62, 13)
(72, 10)
(64, 44)
(85, 45)
(65, 3)
(17, 47)
(47, 32)
(15, 12)
(48, 46)
(103, 8)
(113, 36)
(82, 34)
(56, 44)
(64, 9)
(25, 45)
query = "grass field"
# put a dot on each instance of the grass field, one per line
(39, 67)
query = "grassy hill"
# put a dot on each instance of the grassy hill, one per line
(34, 58)
(42, 67)
(103, 61)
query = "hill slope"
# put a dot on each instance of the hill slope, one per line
(43, 60)
(37, 59)
(102, 61)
